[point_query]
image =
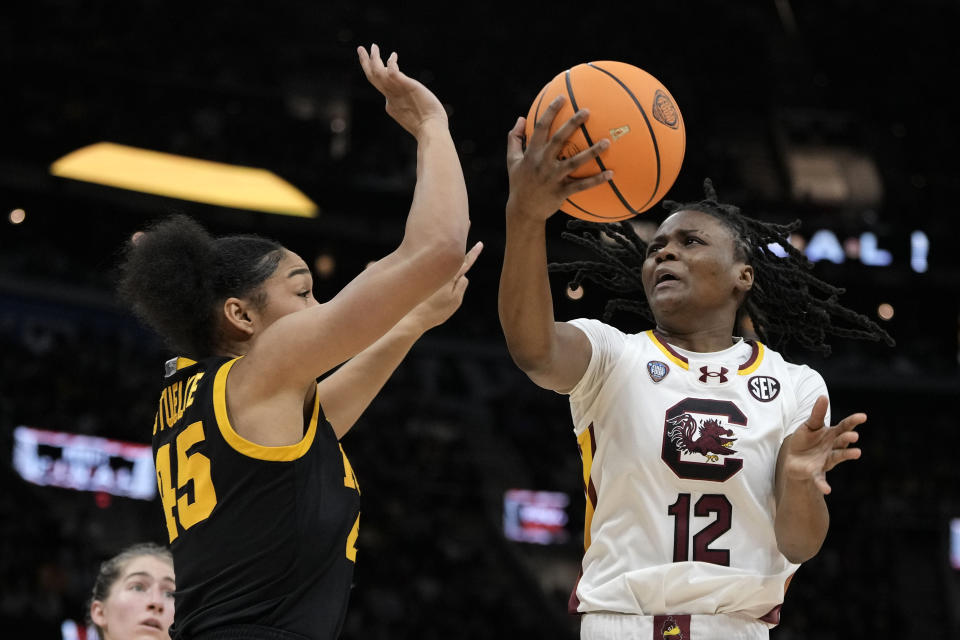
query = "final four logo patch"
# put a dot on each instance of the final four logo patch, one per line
(657, 370)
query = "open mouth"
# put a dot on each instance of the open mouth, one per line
(665, 277)
(152, 623)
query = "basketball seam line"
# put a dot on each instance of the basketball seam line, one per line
(583, 129)
(653, 137)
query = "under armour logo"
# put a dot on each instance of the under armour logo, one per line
(707, 374)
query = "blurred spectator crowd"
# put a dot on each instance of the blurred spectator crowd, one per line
(455, 427)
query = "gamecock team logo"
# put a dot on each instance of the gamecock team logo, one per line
(698, 439)
(673, 627)
(707, 438)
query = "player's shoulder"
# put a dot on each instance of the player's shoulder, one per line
(592, 326)
(608, 337)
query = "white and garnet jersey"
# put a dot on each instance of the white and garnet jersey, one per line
(679, 455)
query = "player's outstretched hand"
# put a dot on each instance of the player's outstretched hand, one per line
(539, 180)
(815, 448)
(438, 308)
(409, 102)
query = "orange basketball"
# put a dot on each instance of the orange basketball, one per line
(638, 115)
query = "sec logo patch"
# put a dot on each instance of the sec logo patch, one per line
(764, 388)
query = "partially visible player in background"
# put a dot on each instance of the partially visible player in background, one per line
(260, 502)
(133, 594)
(705, 455)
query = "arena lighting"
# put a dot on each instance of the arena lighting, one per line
(885, 311)
(324, 265)
(575, 294)
(17, 216)
(174, 176)
(833, 175)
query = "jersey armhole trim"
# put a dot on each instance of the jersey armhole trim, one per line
(284, 453)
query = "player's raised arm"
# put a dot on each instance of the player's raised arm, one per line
(554, 354)
(304, 345)
(346, 393)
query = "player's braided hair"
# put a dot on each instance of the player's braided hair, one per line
(175, 275)
(786, 304)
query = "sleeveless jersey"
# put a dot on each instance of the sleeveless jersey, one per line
(679, 454)
(259, 535)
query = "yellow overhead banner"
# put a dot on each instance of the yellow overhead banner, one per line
(174, 176)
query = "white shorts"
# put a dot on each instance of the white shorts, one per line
(620, 626)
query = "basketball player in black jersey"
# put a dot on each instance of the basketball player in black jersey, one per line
(260, 502)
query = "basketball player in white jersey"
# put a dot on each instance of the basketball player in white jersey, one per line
(704, 454)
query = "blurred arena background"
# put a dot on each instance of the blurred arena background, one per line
(837, 113)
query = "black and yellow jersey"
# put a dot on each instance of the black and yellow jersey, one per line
(260, 535)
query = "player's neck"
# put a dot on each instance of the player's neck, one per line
(700, 340)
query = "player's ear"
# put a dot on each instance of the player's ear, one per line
(236, 313)
(96, 613)
(745, 278)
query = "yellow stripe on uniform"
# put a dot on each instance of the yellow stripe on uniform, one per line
(283, 453)
(756, 363)
(183, 363)
(585, 440)
(680, 363)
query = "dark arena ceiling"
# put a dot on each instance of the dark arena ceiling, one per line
(276, 85)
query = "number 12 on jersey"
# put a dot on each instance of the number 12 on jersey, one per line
(711, 503)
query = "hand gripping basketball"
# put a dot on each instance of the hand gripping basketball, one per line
(645, 128)
(540, 181)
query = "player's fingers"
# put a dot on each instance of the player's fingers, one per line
(851, 422)
(392, 67)
(558, 139)
(373, 66)
(515, 142)
(841, 455)
(844, 440)
(587, 155)
(542, 126)
(364, 61)
(817, 414)
(582, 184)
(821, 483)
(470, 258)
(377, 68)
(460, 287)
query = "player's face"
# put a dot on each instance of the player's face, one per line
(140, 603)
(289, 289)
(691, 274)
